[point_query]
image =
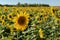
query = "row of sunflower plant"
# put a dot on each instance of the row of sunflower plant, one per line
(29, 23)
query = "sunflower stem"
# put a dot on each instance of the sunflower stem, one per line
(17, 35)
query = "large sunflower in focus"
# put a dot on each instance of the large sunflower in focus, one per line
(21, 21)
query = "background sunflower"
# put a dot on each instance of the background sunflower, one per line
(21, 21)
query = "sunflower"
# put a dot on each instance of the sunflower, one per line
(5, 9)
(41, 33)
(3, 17)
(3, 22)
(10, 16)
(21, 21)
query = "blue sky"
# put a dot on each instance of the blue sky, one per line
(50, 2)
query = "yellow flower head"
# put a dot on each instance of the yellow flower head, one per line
(3, 23)
(5, 9)
(3, 17)
(10, 16)
(41, 33)
(21, 21)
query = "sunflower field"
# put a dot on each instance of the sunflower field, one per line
(29, 23)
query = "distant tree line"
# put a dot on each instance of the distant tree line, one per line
(26, 5)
